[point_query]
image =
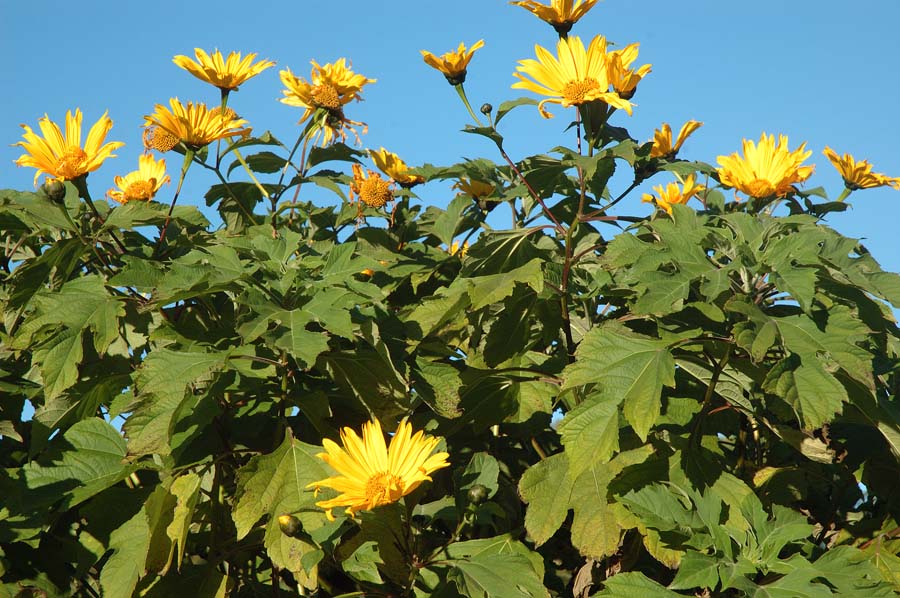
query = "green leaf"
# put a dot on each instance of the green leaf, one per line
(627, 365)
(813, 392)
(507, 106)
(265, 162)
(546, 487)
(163, 382)
(595, 531)
(186, 490)
(496, 576)
(274, 484)
(590, 432)
(130, 544)
(368, 377)
(492, 288)
(482, 469)
(446, 225)
(302, 344)
(697, 570)
(634, 584)
(92, 461)
(363, 563)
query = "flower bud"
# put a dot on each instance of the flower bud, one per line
(477, 494)
(55, 190)
(486, 108)
(290, 525)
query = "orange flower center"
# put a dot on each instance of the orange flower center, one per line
(72, 164)
(577, 92)
(326, 96)
(140, 190)
(760, 188)
(383, 487)
(375, 191)
(159, 139)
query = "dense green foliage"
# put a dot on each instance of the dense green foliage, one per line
(726, 379)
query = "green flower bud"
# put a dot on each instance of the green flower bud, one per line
(290, 525)
(477, 494)
(55, 190)
(486, 108)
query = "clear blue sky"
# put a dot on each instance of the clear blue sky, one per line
(820, 71)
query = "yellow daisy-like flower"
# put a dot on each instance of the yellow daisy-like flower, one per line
(671, 194)
(141, 184)
(195, 125)
(373, 474)
(622, 77)
(577, 77)
(455, 249)
(477, 190)
(561, 14)
(453, 64)
(330, 88)
(390, 164)
(859, 175)
(662, 139)
(766, 169)
(62, 157)
(226, 74)
(370, 189)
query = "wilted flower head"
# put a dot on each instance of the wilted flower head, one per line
(141, 184)
(372, 474)
(859, 175)
(454, 65)
(662, 139)
(61, 156)
(226, 74)
(671, 194)
(767, 169)
(390, 164)
(330, 88)
(369, 188)
(561, 14)
(576, 77)
(193, 124)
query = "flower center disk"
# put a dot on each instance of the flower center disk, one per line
(577, 92)
(382, 488)
(72, 163)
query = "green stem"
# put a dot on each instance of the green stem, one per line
(461, 90)
(81, 184)
(185, 166)
(844, 194)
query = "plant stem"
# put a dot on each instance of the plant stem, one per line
(185, 166)
(462, 95)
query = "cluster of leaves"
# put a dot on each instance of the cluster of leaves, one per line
(703, 403)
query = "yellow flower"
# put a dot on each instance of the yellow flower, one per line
(576, 78)
(622, 77)
(226, 74)
(670, 195)
(766, 169)
(142, 183)
(159, 139)
(330, 88)
(561, 14)
(62, 157)
(372, 474)
(453, 64)
(194, 125)
(662, 139)
(859, 175)
(390, 164)
(477, 190)
(370, 189)
(455, 249)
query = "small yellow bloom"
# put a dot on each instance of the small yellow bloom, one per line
(662, 139)
(62, 157)
(142, 183)
(193, 124)
(226, 74)
(477, 190)
(373, 474)
(622, 77)
(766, 169)
(159, 139)
(330, 88)
(671, 194)
(859, 175)
(577, 77)
(370, 189)
(390, 164)
(453, 64)
(369, 272)
(455, 249)
(561, 14)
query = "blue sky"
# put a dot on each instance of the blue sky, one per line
(820, 71)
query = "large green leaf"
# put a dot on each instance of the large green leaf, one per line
(627, 365)
(546, 487)
(590, 432)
